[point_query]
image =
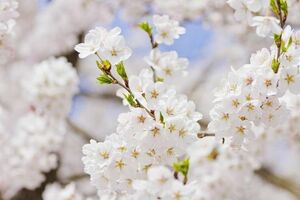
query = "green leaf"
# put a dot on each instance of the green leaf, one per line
(161, 118)
(121, 71)
(159, 79)
(105, 79)
(146, 27)
(182, 167)
(130, 99)
(275, 65)
(99, 65)
(277, 38)
(274, 6)
(282, 47)
(284, 7)
(290, 42)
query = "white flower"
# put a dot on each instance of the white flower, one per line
(291, 58)
(167, 64)
(287, 34)
(296, 38)
(114, 47)
(275, 118)
(242, 10)
(160, 177)
(110, 45)
(261, 58)
(167, 29)
(92, 42)
(178, 191)
(154, 93)
(266, 26)
(266, 82)
(289, 80)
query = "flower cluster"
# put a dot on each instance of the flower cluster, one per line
(256, 14)
(56, 191)
(159, 127)
(167, 64)
(181, 9)
(8, 13)
(47, 92)
(167, 29)
(39, 133)
(161, 184)
(251, 95)
(69, 22)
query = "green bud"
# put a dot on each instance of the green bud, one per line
(104, 65)
(275, 65)
(146, 27)
(159, 79)
(121, 71)
(277, 39)
(161, 118)
(284, 7)
(105, 79)
(130, 99)
(182, 167)
(274, 6)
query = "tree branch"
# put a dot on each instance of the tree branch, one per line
(78, 130)
(277, 181)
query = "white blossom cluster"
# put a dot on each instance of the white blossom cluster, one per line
(69, 22)
(160, 126)
(48, 93)
(8, 14)
(181, 9)
(39, 133)
(255, 12)
(251, 95)
(57, 192)
(161, 184)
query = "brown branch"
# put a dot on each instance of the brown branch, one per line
(204, 134)
(74, 178)
(125, 86)
(278, 181)
(79, 131)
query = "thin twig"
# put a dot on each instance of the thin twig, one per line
(78, 130)
(204, 134)
(280, 182)
(127, 88)
(74, 178)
